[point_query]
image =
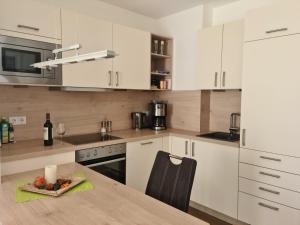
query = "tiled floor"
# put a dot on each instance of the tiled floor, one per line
(207, 218)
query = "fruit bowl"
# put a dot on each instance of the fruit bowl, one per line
(61, 186)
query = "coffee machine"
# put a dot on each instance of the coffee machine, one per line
(158, 115)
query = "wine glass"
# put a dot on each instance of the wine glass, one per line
(61, 130)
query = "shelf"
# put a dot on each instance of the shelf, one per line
(160, 74)
(159, 56)
(157, 89)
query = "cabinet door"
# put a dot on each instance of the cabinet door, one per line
(93, 35)
(210, 49)
(270, 98)
(180, 146)
(132, 65)
(232, 55)
(140, 158)
(216, 183)
(276, 20)
(30, 19)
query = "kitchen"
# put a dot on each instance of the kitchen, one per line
(208, 76)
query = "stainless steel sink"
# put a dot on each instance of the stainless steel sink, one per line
(223, 136)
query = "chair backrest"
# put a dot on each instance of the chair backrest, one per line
(171, 183)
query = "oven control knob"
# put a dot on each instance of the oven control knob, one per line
(88, 155)
(95, 152)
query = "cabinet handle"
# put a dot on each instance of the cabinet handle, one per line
(110, 78)
(193, 149)
(270, 158)
(147, 143)
(276, 30)
(268, 206)
(244, 137)
(216, 79)
(117, 79)
(224, 79)
(269, 190)
(28, 27)
(269, 174)
(186, 147)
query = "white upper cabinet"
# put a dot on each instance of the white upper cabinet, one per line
(271, 21)
(92, 35)
(30, 20)
(132, 66)
(210, 53)
(220, 56)
(232, 55)
(270, 98)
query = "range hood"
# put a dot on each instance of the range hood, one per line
(105, 54)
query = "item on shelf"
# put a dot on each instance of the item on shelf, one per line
(155, 46)
(162, 48)
(4, 131)
(48, 131)
(61, 130)
(11, 133)
(169, 84)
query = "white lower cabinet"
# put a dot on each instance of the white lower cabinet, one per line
(23, 165)
(216, 178)
(140, 157)
(258, 211)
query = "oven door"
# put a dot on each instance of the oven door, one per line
(113, 167)
(17, 60)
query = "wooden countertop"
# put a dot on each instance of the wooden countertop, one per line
(35, 148)
(109, 203)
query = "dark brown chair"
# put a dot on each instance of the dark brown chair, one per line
(170, 183)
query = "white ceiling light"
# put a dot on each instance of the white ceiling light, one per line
(105, 54)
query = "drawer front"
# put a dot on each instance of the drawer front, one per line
(257, 211)
(273, 21)
(279, 195)
(271, 161)
(272, 177)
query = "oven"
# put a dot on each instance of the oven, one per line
(107, 160)
(17, 56)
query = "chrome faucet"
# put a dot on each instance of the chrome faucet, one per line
(234, 127)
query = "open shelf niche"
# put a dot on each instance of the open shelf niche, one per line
(161, 62)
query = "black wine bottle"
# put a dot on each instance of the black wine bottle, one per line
(48, 131)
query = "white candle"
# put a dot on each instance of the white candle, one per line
(51, 174)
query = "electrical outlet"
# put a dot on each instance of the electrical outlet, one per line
(17, 120)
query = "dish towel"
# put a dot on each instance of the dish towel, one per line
(25, 196)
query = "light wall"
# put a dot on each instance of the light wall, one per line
(184, 27)
(102, 10)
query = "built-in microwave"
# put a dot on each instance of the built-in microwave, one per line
(17, 56)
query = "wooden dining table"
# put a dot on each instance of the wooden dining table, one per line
(108, 203)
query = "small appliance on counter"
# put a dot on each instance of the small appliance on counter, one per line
(139, 120)
(158, 115)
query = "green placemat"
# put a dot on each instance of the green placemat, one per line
(25, 196)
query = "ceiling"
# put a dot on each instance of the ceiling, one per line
(158, 8)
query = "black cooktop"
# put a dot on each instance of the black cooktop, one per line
(89, 138)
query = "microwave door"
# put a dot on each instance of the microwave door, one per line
(17, 60)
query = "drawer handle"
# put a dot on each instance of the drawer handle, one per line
(269, 174)
(147, 143)
(268, 206)
(28, 27)
(186, 147)
(276, 30)
(268, 190)
(270, 158)
(244, 137)
(216, 79)
(193, 149)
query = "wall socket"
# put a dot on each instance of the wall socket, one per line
(17, 120)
